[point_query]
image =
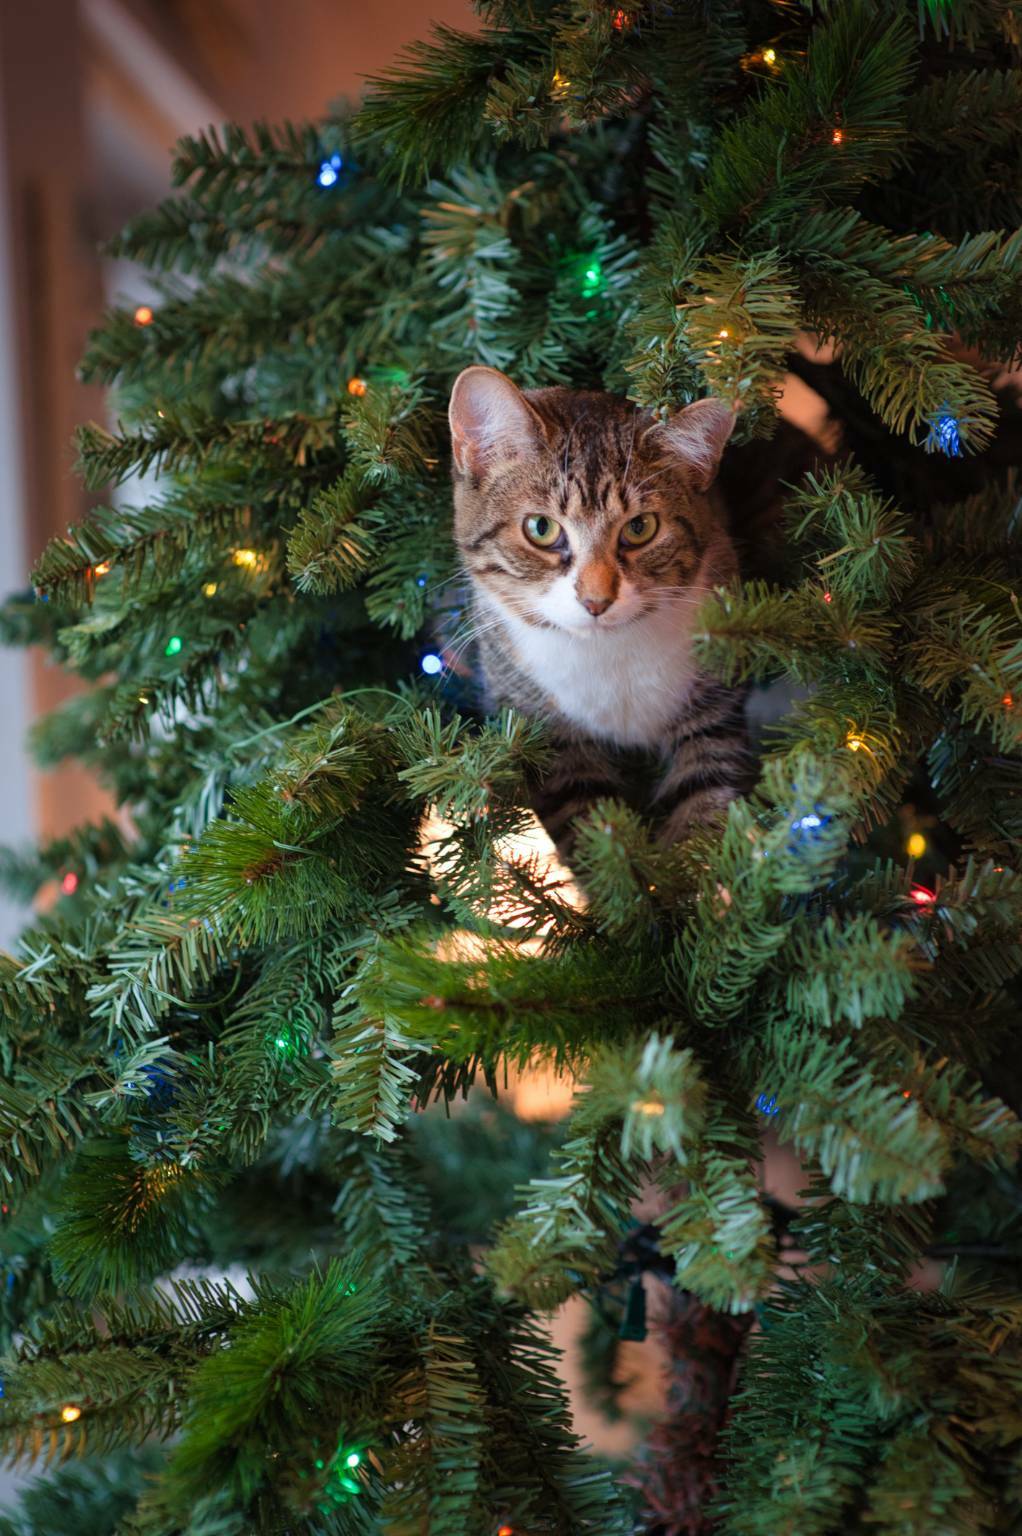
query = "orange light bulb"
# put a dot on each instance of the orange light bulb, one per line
(143, 315)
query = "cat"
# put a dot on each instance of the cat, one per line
(588, 535)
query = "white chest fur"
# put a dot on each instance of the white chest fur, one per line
(624, 685)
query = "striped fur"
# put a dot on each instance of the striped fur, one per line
(593, 635)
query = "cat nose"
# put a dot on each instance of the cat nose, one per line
(596, 605)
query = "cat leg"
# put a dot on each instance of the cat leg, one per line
(708, 763)
(580, 774)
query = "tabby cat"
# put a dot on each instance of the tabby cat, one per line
(589, 538)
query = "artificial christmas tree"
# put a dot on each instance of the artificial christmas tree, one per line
(312, 920)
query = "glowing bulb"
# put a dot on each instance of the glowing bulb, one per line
(921, 896)
(854, 743)
(1008, 701)
(209, 589)
(724, 334)
(506, 1530)
(828, 597)
(837, 137)
(648, 1107)
(354, 1460)
(329, 170)
(103, 568)
(143, 315)
(70, 1412)
(357, 387)
(173, 645)
(431, 664)
(769, 56)
(69, 884)
(245, 557)
(916, 846)
(560, 83)
(592, 277)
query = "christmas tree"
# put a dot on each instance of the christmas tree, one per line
(315, 917)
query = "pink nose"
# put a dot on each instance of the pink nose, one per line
(596, 605)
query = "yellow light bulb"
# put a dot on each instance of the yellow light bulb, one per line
(916, 845)
(245, 557)
(70, 1412)
(209, 589)
(648, 1107)
(769, 56)
(854, 743)
(103, 568)
(724, 334)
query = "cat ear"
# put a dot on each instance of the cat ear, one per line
(698, 434)
(490, 419)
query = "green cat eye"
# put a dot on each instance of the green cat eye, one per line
(542, 530)
(639, 530)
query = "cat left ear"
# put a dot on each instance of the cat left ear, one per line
(699, 434)
(490, 419)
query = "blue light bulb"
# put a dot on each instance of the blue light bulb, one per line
(327, 173)
(431, 664)
(945, 434)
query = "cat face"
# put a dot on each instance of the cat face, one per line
(579, 512)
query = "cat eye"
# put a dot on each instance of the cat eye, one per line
(543, 531)
(639, 530)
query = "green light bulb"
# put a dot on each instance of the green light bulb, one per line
(174, 644)
(353, 1460)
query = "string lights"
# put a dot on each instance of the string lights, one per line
(357, 387)
(70, 1412)
(916, 846)
(144, 315)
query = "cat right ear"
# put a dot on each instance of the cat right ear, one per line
(490, 420)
